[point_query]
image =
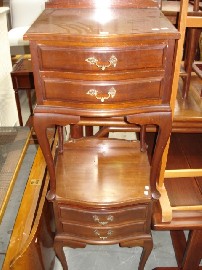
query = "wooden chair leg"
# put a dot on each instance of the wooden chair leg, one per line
(192, 39)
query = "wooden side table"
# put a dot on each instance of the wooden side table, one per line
(23, 79)
(102, 188)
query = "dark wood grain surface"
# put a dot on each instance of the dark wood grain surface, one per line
(106, 23)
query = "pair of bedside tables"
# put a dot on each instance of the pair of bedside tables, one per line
(106, 67)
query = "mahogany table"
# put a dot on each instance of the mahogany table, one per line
(23, 79)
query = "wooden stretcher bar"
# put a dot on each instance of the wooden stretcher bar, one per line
(183, 173)
(193, 21)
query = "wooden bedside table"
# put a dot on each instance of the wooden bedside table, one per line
(90, 72)
(23, 79)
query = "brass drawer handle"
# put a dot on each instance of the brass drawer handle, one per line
(109, 219)
(111, 93)
(109, 233)
(94, 61)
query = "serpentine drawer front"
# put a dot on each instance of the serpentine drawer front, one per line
(75, 63)
(102, 91)
(103, 217)
(104, 234)
(104, 224)
(148, 54)
(147, 59)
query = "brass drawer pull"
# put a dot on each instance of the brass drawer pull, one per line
(111, 93)
(109, 233)
(109, 219)
(94, 61)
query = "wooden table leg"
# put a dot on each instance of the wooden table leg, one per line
(89, 131)
(188, 253)
(179, 245)
(28, 91)
(18, 107)
(76, 131)
(193, 254)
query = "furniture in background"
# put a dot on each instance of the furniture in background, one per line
(22, 79)
(192, 44)
(8, 112)
(183, 214)
(187, 122)
(102, 189)
(22, 14)
(171, 9)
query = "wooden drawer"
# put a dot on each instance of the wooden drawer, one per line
(103, 91)
(103, 218)
(151, 55)
(104, 234)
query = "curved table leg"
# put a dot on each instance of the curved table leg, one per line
(146, 244)
(61, 241)
(188, 254)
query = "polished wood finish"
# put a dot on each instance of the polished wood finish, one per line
(121, 69)
(110, 3)
(23, 79)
